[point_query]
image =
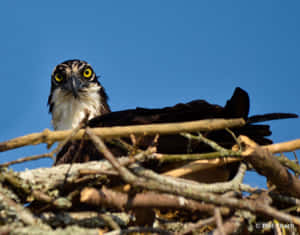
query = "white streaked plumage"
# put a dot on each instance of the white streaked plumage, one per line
(69, 111)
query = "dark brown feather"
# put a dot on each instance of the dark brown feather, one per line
(237, 106)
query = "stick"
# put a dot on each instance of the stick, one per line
(50, 137)
(288, 146)
(110, 198)
(199, 224)
(267, 165)
(219, 222)
(200, 165)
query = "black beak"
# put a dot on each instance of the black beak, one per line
(73, 85)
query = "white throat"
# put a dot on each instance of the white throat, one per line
(69, 111)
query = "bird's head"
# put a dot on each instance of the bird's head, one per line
(75, 90)
(73, 77)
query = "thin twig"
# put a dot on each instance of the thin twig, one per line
(297, 161)
(22, 213)
(235, 138)
(26, 159)
(207, 141)
(296, 158)
(196, 226)
(294, 166)
(109, 221)
(138, 230)
(125, 174)
(232, 225)
(194, 156)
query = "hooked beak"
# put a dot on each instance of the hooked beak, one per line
(73, 85)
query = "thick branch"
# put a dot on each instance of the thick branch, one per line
(50, 137)
(48, 178)
(234, 184)
(110, 198)
(267, 165)
(288, 146)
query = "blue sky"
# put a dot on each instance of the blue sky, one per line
(149, 54)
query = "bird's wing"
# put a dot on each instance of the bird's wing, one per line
(236, 107)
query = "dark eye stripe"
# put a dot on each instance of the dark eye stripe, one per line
(77, 66)
(81, 66)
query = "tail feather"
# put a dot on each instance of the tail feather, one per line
(255, 130)
(270, 116)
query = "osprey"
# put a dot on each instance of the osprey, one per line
(76, 92)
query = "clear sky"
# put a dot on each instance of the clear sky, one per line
(150, 54)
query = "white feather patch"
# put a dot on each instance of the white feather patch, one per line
(69, 111)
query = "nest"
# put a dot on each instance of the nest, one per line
(147, 192)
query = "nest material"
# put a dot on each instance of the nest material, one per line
(135, 194)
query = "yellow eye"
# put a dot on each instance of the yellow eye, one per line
(58, 77)
(87, 73)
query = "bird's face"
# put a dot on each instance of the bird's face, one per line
(73, 76)
(75, 94)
